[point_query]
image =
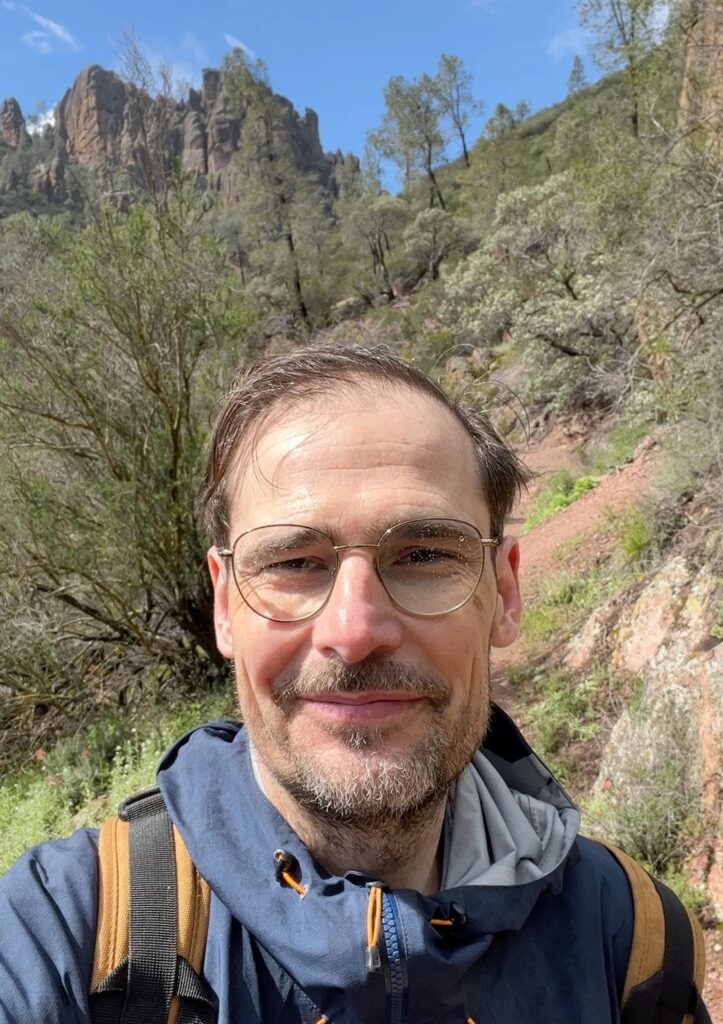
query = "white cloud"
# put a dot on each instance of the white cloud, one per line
(55, 29)
(37, 40)
(36, 125)
(567, 42)
(196, 48)
(236, 44)
(48, 33)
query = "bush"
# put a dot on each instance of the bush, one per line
(635, 535)
(83, 778)
(649, 790)
(559, 492)
(616, 446)
(565, 710)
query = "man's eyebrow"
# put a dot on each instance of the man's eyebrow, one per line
(297, 536)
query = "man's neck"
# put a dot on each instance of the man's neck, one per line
(403, 855)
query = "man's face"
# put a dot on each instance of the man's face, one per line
(386, 707)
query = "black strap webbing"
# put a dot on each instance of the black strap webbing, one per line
(153, 939)
(677, 991)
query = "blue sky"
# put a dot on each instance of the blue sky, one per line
(331, 55)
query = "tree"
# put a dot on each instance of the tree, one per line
(411, 133)
(283, 210)
(545, 280)
(498, 159)
(453, 85)
(626, 32)
(111, 346)
(375, 220)
(432, 237)
(577, 80)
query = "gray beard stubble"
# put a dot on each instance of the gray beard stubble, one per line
(382, 790)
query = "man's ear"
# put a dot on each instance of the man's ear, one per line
(508, 610)
(219, 570)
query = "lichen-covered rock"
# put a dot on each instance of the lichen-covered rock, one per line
(662, 769)
(589, 645)
(653, 616)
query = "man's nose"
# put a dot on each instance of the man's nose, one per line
(359, 618)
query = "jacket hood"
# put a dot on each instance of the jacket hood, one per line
(509, 832)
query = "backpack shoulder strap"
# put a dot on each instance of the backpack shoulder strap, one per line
(666, 968)
(153, 913)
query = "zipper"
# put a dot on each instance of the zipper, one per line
(395, 958)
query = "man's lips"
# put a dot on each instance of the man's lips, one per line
(368, 705)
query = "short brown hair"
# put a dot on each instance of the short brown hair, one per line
(318, 370)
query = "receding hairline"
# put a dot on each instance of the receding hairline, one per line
(282, 410)
(266, 392)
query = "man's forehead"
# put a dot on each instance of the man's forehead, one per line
(404, 424)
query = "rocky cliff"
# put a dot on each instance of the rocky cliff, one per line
(99, 125)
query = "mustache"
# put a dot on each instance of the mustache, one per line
(374, 673)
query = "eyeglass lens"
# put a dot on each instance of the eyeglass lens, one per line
(428, 567)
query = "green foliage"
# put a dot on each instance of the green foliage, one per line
(544, 280)
(616, 445)
(565, 709)
(112, 340)
(577, 80)
(650, 807)
(561, 490)
(635, 534)
(81, 780)
(564, 600)
(692, 894)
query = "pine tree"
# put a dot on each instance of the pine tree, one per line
(577, 80)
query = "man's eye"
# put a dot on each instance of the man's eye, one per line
(425, 556)
(294, 565)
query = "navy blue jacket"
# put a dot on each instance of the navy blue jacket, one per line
(552, 949)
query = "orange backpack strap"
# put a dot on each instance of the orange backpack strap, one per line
(153, 910)
(666, 968)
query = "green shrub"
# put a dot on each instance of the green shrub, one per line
(635, 535)
(561, 490)
(566, 710)
(81, 781)
(616, 446)
(648, 804)
(32, 808)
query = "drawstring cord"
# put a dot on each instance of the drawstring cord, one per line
(286, 863)
(374, 927)
(457, 917)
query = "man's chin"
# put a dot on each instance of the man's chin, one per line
(367, 781)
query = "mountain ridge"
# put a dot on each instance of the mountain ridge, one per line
(99, 126)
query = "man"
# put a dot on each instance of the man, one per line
(367, 860)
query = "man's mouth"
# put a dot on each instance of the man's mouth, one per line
(366, 706)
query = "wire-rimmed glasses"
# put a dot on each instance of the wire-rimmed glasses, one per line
(286, 572)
